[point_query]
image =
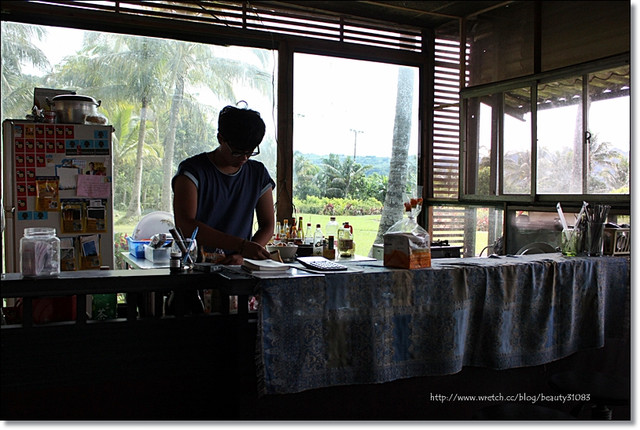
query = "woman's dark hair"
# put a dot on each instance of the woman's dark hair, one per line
(241, 128)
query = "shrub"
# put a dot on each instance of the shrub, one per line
(337, 206)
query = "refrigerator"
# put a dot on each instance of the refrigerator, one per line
(60, 176)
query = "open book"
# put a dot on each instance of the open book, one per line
(265, 265)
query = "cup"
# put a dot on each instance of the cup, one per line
(570, 242)
(594, 239)
(192, 248)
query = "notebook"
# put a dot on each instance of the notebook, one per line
(265, 265)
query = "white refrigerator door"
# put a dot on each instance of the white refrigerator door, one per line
(59, 175)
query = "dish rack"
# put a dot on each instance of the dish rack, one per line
(617, 241)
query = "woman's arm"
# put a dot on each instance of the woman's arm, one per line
(266, 218)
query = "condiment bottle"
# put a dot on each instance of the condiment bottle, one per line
(300, 230)
(284, 233)
(317, 241)
(276, 235)
(345, 240)
(293, 232)
(175, 261)
(329, 252)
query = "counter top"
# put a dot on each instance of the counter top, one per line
(118, 281)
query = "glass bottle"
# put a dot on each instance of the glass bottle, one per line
(329, 252)
(300, 230)
(284, 233)
(276, 235)
(39, 252)
(345, 240)
(293, 231)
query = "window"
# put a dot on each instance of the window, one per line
(355, 143)
(174, 88)
(560, 132)
(581, 124)
(608, 131)
(516, 147)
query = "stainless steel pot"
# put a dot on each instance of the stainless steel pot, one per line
(73, 109)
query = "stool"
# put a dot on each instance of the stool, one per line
(520, 412)
(602, 390)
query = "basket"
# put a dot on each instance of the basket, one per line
(136, 247)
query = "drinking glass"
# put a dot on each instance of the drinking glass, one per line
(570, 242)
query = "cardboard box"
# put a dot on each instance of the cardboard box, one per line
(406, 251)
(104, 306)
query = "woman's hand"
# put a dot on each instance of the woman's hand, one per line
(232, 260)
(254, 250)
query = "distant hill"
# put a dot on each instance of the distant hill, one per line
(378, 165)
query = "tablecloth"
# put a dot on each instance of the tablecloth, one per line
(385, 324)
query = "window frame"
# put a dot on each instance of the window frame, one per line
(101, 18)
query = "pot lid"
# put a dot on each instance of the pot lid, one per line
(74, 97)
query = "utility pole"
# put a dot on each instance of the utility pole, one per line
(355, 141)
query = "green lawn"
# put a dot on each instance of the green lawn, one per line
(365, 229)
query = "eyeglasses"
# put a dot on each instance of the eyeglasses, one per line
(238, 154)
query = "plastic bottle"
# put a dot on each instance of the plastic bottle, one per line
(331, 229)
(308, 237)
(317, 240)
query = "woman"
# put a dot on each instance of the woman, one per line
(219, 191)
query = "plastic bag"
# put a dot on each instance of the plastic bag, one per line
(406, 243)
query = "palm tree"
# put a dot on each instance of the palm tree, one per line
(394, 198)
(605, 167)
(517, 173)
(18, 50)
(342, 177)
(304, 177)
(121, 67)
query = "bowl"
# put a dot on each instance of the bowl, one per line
(287, 253)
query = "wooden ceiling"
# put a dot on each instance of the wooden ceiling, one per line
(426, 14)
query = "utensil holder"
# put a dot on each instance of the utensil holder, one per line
(593, 241)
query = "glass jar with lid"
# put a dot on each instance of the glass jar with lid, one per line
(39, 252)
